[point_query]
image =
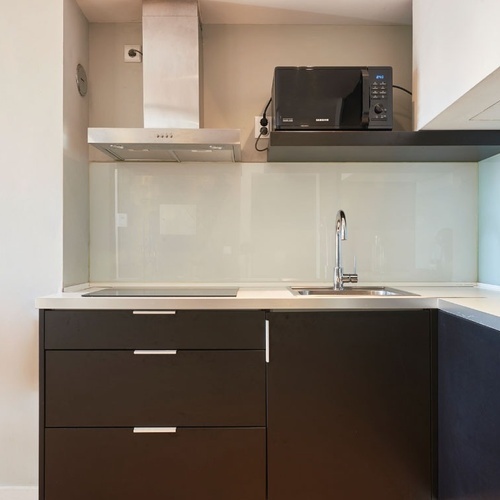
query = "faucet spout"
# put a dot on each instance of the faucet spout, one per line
(341, 234)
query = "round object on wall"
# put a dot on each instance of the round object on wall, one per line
(81, 79)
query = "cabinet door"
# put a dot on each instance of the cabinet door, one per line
(148, 388)
(190, 464)
(349, 405)
(469, 409)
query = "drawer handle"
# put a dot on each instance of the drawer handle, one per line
(154, 312)
(154, 351)
(267, 341)
(153, 430)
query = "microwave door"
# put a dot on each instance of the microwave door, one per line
(324, 114)
(355, 107)
(337, 111)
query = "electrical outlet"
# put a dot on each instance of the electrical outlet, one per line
(137, 58)
(121, 220)
(258, 126)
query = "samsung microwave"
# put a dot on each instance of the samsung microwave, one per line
(332, 98)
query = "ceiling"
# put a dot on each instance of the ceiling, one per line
(367, 12)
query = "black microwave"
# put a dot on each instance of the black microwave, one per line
(332, 98)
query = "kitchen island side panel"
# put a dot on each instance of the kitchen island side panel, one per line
(469, 409)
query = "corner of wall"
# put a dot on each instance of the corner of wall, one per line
(489, 221)
(76, 157)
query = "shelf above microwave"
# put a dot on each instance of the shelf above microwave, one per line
(383, 146)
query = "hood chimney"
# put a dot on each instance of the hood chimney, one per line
(172, 86)
(172, 90)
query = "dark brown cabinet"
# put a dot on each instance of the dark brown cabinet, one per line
(184, 406)
(152, 405)
(349, 405)
(469, 409)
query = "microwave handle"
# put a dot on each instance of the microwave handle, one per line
(365, 115)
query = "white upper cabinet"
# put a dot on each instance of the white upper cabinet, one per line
(456, 64)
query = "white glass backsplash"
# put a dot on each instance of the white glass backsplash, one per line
(255, 222)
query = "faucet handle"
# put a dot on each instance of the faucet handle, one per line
(350, 278)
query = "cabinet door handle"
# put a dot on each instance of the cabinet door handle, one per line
(267, 341)
(154, 351)
(153, 430)
(154, 312)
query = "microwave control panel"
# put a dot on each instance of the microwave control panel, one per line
(380, 114)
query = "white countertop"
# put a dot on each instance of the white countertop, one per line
(477, 303)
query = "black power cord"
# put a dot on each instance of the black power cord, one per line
(264, 122)
(257, 142)
(134, 52)
(402, 88)
(264, 129)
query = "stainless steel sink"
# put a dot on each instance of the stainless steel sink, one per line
(377, 291)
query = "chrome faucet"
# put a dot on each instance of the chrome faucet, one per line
(339, 278)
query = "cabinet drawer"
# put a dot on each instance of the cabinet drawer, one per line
(120, 388)
(190, 464)
(112, 329)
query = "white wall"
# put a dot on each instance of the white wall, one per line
(116, 93)
(455, 46)
(489, 221)
(76, 151)
(31, 204)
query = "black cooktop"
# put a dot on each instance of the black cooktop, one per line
(163, 292)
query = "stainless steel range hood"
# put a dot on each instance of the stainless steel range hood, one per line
(167, 144)
(172, 89)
